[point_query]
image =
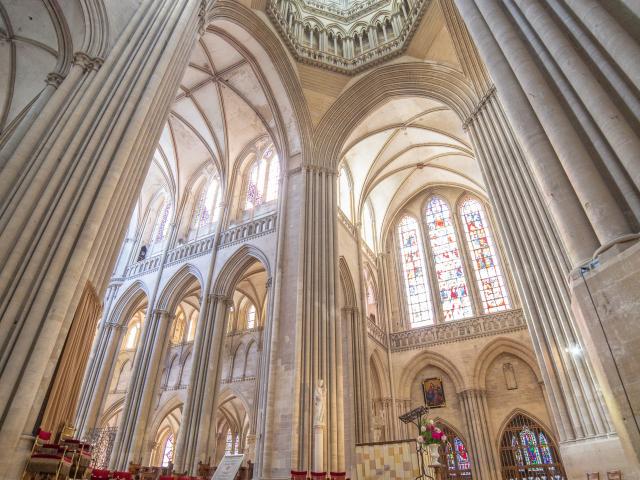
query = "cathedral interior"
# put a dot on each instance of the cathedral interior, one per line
(263, 231)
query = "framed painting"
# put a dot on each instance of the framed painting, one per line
(433, 392)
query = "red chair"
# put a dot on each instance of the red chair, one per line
(298, 475)
(318, 475)
(338, 475)
(122, 476)
(97, 474)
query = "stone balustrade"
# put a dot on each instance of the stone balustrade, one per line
(503, 322)
(144, 266)
(377, 333)
(190, 250)
(254, 228)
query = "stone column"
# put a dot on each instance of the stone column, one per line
(320, 334)
(142, 389)
(484, 462)
(554, 45)
(67, 192)
(197, 439)
(98, 372)
(601, 208)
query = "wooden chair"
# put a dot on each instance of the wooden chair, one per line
(134, 468)
(614, 475)
(51, 460)
(593, 476)
(205, 470)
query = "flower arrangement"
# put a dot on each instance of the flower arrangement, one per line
(430, 434)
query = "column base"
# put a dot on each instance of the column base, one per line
(602, 454)
(605, 299)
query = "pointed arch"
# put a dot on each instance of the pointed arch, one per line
(235, 267)
(528, 448)
(346, 282)
(177, 286)
(493, 350)
(129, 303)
(425, 359)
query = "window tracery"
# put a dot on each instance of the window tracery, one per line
(263, 180)
(414, 270)
(368, 225)
(207, 210)
(454, 295)
(493, 290)
(161, 228)
(168, 450)
(345, 201)
(251, 317)
(526, 452)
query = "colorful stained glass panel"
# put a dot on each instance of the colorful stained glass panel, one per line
(454, 295)
(415, 279)
(493, 291)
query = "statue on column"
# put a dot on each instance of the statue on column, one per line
(319, 406)
(319, 403)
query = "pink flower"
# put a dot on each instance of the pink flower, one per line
(437, 430)
(419, 440)
(444, 438)
(436, 435)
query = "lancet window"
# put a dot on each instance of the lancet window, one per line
(368, 225)
(263, 180)
(414, 271)
(207, 208)
(251, 317)
(168, 450)
(161, 228)
(454, 295)
(456, 244)
(345, 200)
(491, 283)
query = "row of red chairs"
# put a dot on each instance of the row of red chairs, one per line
(97, 474)
(302, 475)
(109, 475)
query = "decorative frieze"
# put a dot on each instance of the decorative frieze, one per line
(504, 322)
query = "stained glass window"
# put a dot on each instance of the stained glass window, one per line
(368, 225)
(517, 453)
(493, 291)
(161, 228)
(251, 317)
(263, 180)
(415, 277)
(545, 451)
(530, 447)
(344, 193)
(454, 296)
(228, 449)
(527, 452)
(456, 455)
(167, 452)
(207, 208)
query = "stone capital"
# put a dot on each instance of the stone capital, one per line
(54, 79)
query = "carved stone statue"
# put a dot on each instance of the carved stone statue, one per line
(319, 403)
